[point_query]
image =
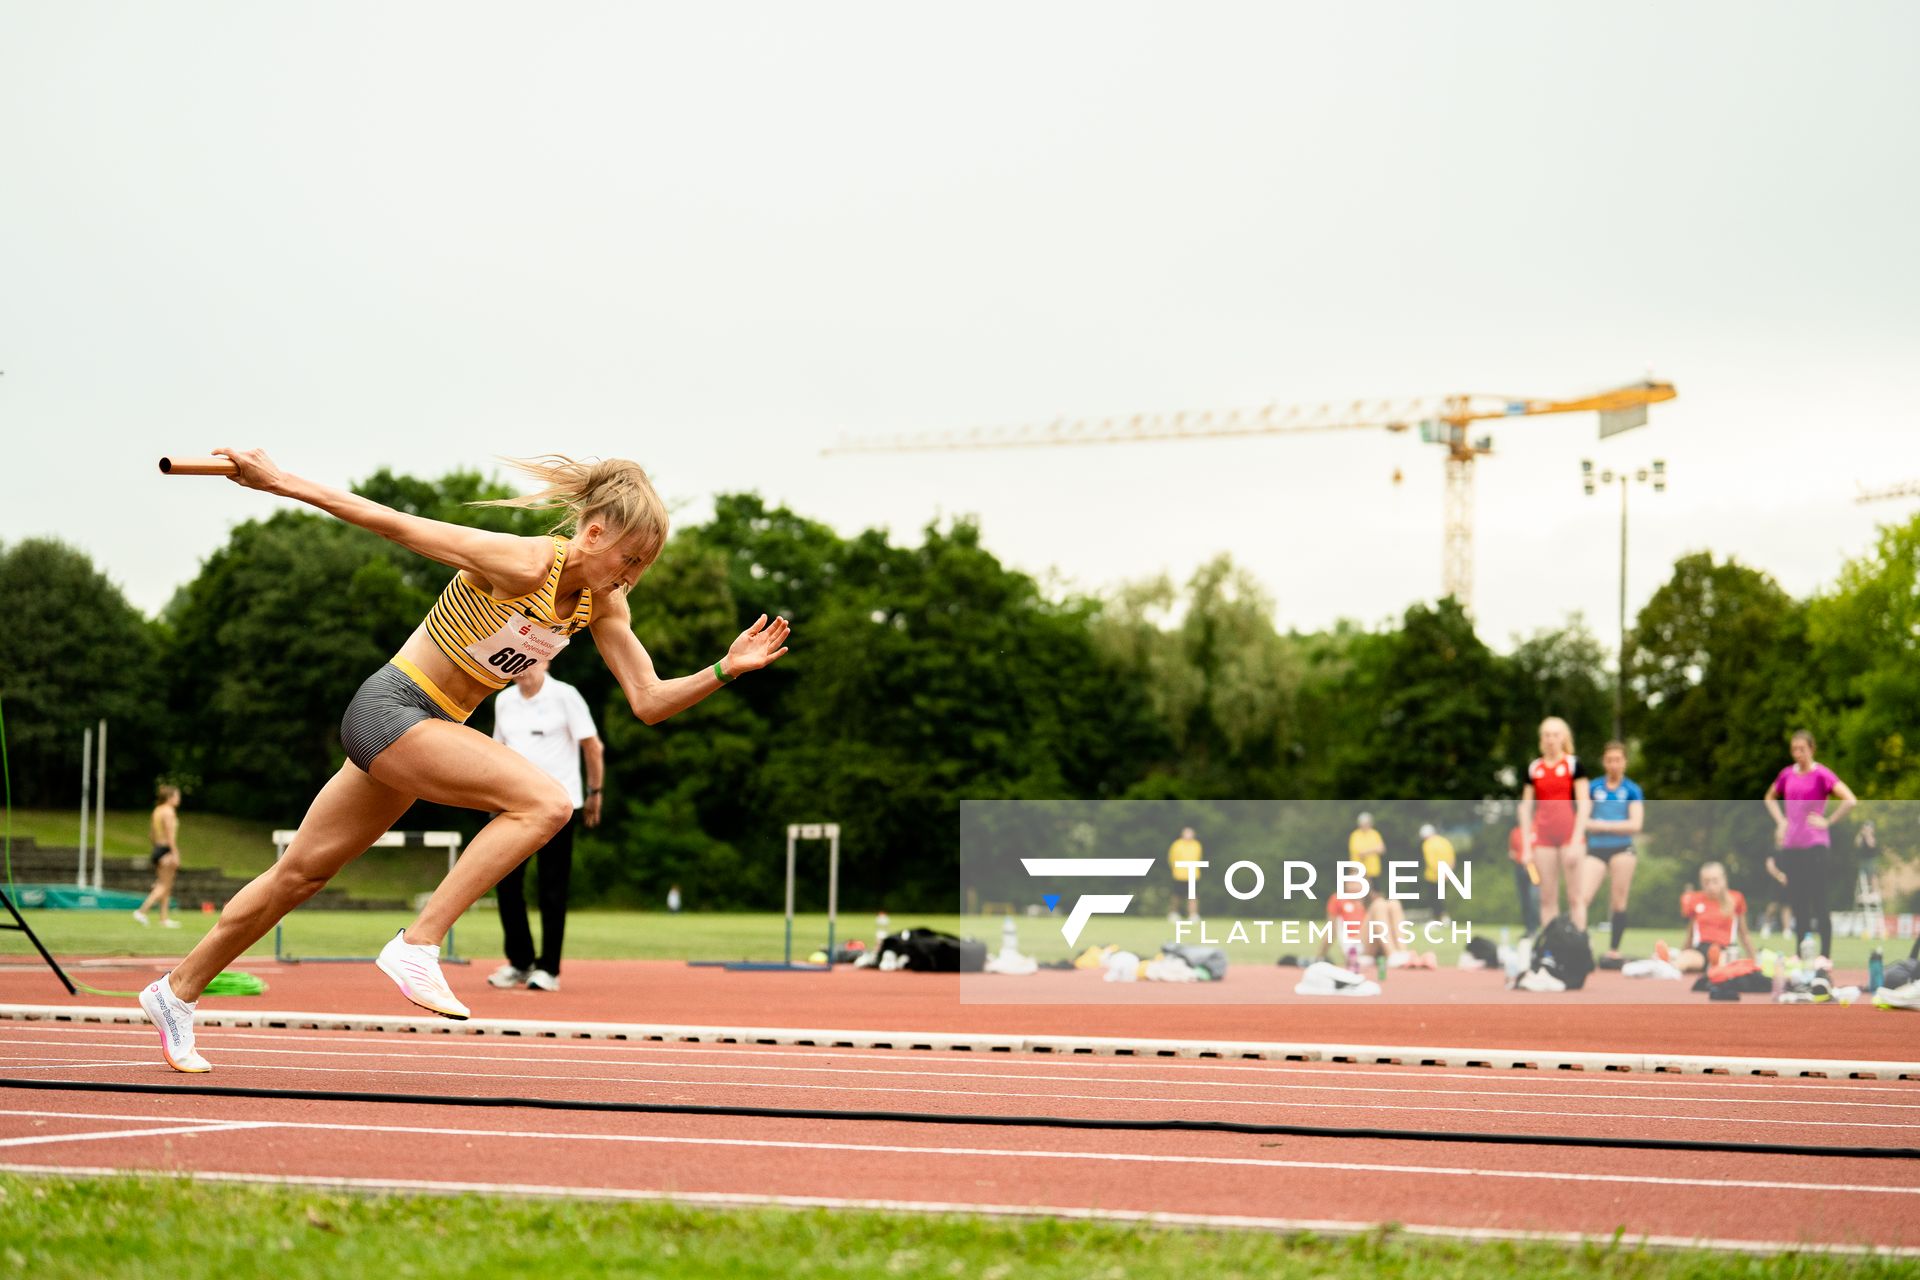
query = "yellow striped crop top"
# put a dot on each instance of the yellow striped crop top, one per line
(495, 640)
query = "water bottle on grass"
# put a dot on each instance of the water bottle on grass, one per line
(1876, 970)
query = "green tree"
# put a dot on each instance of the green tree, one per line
(930, 674)
(1556, 672)
(1718, 659)
(78, 652)
(1221, 683)
(1865, 638)
(1425, 719)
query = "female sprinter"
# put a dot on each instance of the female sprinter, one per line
(1803, 834)
(512, 601)
(164, 828)
(1554, 808)
(1619, 811)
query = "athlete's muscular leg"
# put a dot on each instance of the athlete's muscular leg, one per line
(452, 764)
(350, 813)
(163, 872)
(1620, 873)
(163, 890)
(1546, 861)
(1584, 875)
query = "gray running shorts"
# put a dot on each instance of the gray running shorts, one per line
(387, 705)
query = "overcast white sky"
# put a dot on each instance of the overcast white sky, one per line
(714, 238)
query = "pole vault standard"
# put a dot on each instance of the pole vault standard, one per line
(796, 832)
(448, 840)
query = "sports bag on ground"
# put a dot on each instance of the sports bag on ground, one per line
(1564, 952)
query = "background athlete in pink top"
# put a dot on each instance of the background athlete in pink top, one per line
(1802, 832)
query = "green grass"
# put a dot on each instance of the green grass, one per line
(53, 1228)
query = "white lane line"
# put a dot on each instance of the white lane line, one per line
(364, 1073)
(415, 1045)
(456, 1055)
(739, 1200)
(1016, 1154)
(215, 1126)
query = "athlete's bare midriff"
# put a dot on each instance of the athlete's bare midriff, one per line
(462, 688)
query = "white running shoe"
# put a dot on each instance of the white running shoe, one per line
(1907, 997)
(170, 924)
(416, 970)
(541, 980)
(140, 916)
(174, 1018)
(1540, 980)
(507, 977)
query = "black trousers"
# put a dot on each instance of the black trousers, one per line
(1807, 871)
(555, 878)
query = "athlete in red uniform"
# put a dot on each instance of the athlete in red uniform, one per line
(1714, 913)
(1553, 812)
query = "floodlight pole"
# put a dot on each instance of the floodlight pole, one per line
(1620, 664)
(1657, 476)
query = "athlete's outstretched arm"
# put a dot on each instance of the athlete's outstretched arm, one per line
(654, 699)
(509, 564)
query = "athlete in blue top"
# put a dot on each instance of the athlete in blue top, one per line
(1619, 810)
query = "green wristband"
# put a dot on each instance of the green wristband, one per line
(719, 673)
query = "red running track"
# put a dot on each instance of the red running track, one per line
(1447, 1008)
(1465, 1189)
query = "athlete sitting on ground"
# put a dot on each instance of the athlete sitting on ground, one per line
(1713, 913)
(512, 601)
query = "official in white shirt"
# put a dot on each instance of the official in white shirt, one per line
(547, 721)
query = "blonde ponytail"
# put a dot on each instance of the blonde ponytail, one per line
(614, 491)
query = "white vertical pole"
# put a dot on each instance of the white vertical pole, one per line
(86, 800)
(793, 833)
(453, 857)
(100, 812)
(833, 886)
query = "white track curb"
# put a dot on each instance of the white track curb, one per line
(1036, 1043)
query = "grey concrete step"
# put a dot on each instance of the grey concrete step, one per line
(53, 864)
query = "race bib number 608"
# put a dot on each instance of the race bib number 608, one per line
(518, 644)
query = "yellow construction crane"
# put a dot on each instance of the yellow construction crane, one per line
(1444, 420)
(1905, 489)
